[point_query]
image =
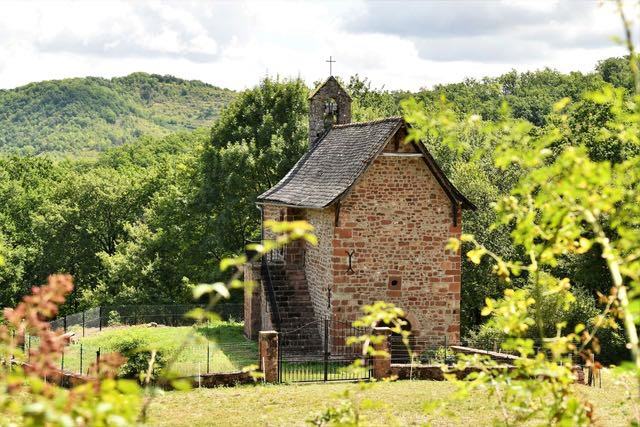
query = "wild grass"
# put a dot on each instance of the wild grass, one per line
(215, 347)
(388, 403)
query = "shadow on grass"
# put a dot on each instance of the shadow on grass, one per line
(228, 338)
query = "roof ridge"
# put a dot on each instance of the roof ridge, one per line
(321, 85)
(370, 122)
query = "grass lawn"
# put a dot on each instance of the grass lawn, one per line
(402, 403)
(221, 343)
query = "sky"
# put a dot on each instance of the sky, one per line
(395, 44)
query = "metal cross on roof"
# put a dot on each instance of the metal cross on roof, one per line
(330, 61)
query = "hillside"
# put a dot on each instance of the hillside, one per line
(90, 114)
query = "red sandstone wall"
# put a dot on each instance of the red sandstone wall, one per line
(318, 260)
(398, 220)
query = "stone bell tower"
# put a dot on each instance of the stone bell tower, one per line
(329, 105)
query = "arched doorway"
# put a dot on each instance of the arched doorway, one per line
(398, 348)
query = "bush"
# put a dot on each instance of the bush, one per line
(138, 354)
(437, 355)
(486, 337)
(582, 310)
(114, 319)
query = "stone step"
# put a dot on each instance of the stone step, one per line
(288, 286)
(300, 305)
(295, 309)
(294, 306)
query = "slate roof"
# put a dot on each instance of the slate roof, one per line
(334, 163)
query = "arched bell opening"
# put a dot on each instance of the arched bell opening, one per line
(330, 113)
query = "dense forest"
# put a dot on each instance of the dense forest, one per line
(152, 214)
(83, 116)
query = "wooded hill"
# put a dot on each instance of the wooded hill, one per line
(143, 222)
(81, 116)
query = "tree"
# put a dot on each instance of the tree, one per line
(258, 138)
(562, 205)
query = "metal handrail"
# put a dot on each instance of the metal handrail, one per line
(271, 295)
(266, 277)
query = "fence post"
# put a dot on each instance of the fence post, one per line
(269, 355)
(382, 362)
(326, 350)
(65, 324)
(208, 355)
(100, 318)
(445, 349)
(98, 363)
(80, 359)
(62, 361)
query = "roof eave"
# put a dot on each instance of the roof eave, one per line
(289, 205)
(451, 190)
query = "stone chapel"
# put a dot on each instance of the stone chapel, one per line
(383, 212)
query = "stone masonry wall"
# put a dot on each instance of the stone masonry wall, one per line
(398, 220)
(330, 90)
(252, 301)
(318, 260)
(293, 253)
(275, 213)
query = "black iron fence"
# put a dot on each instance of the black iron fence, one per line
(435, 350)
(118, 315)
(320, 351)
(191, 360)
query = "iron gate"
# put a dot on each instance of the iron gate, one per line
(318, 351)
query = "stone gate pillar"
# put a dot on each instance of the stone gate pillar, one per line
(252, 301)
(268, 343)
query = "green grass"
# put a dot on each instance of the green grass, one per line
(228, 349)
(402, 404)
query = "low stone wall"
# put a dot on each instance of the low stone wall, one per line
(62, 378)
(428, 372)
(436, 373)
(70, 380)
(497, 356)
(223, 379)
(219, 379)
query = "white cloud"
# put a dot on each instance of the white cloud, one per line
(403, 45)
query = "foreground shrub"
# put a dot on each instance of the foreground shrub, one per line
(580, 310)
(29, 392)
(138, 357)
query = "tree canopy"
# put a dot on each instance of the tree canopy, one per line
(146, 220)
(83, 116)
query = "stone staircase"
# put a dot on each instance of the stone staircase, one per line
(299, 330)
